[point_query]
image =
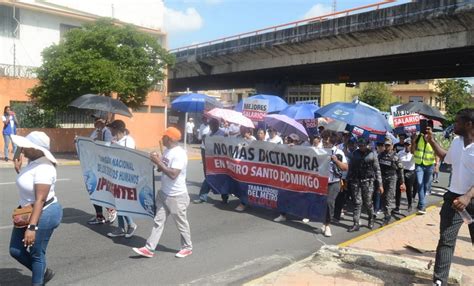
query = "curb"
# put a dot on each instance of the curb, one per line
(350, 241)
(375, 231)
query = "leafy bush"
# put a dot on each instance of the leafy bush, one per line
(30, 115)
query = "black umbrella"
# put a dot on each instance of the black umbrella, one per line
(102, 103)
(423, 109)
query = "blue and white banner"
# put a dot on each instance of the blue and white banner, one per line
(288, 179)
(118, 177)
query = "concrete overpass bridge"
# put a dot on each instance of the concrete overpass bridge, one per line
(418, 40)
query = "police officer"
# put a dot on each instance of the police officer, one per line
(364, 169)
(392, 170)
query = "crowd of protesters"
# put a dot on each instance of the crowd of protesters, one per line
(362, 173)
(373, 175)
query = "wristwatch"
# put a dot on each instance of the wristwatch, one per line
(32, 227)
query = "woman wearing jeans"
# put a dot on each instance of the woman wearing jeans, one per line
(36, 183)
(122, 138)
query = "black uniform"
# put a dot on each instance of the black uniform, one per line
(392, 171)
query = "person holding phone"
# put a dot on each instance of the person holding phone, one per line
(460, 196)
(9, 128)
(424, 163)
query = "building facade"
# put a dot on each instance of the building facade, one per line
(29, 26)
(417, 91)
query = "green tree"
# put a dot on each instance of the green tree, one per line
(454, 94)
(378, 95)
(101, 58)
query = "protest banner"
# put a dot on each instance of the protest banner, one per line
(255, 109)
(407, 124)
(118, 177)
(288, 179)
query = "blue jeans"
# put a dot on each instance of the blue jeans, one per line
(121, 221)
(6, 142)
(424, 177)
(35, 258)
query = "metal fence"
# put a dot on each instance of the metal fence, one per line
(17, 71)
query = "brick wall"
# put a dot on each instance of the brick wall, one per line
(62, 139)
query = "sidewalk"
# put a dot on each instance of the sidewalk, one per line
(71, 159)
(419, 233)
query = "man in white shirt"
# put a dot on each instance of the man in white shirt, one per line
(461, 191)
(203, 129)
(205, 187)
(408, 161)
(173, 199)
(190, 130)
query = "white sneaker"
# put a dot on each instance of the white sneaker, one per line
(305, 220)
(280, 218)
(112, 215)
(323, 229)
(327, 232)
(240, 208)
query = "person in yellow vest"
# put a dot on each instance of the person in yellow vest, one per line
(424, 164)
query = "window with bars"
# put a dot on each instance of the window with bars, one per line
(9, 22)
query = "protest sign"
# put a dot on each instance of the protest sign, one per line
(408, 124)
(311, 126)
(288, 179)
(118, 177)
(255, 109)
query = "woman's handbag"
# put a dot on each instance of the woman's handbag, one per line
(21, 216)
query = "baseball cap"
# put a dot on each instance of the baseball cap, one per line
(407, 142)
(387, 141)
(173, 133)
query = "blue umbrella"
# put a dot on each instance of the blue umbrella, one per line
(300, 111)
(355, 114)
(275, 103)
(194, 102)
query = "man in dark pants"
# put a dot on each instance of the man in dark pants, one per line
(364, 169)
(391, 170)
(408, 162)
(461, 191)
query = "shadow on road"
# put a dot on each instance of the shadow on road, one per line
(13, 276)
(77, 216)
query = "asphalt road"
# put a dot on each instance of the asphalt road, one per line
(229, 247)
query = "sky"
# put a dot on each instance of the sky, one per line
(195, 21)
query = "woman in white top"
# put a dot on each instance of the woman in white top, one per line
(36, 183)
(122, 138)
(274, 138)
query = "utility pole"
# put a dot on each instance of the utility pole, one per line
(334, 6)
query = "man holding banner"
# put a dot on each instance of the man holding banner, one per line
(173, 199)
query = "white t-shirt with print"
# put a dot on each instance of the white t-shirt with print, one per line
(334, 151)
(175, 158)
(462, 160)
(39, 171)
